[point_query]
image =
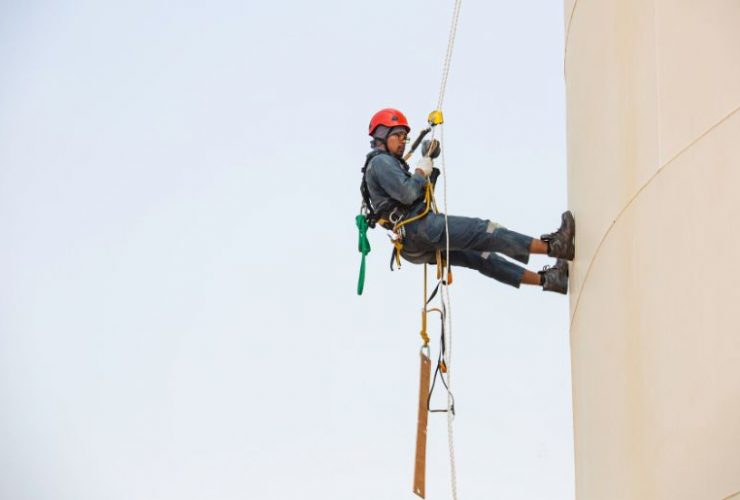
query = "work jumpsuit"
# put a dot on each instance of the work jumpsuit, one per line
(474, 243)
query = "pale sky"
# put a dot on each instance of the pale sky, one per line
(178, 315)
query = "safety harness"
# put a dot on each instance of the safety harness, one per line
(367, 209)
(394, 215)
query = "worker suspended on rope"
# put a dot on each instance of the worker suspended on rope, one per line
(393, 193)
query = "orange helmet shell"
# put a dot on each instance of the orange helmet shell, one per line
(388, 117)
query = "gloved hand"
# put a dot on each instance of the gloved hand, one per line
(424, 165)
(433, 146)
(434, 175)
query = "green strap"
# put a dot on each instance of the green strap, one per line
(363, 247)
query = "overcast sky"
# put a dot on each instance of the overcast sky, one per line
(178, 316)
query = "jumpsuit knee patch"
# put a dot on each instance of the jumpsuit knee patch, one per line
(492, 226)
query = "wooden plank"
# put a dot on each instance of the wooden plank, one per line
(421, 428)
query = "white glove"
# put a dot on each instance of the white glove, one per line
(425, 165)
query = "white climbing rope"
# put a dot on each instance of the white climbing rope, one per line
(448, 55)
(445, 293)
(445, 298)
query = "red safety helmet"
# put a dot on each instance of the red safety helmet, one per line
(388, 117)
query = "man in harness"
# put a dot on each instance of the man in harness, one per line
(392, 194)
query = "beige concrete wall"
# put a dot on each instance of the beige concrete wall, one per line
(653, 89)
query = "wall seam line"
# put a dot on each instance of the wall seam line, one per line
(732, 496)
(632, 200)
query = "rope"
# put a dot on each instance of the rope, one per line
(448, 55)
(445, 295)
(450, 399)
(424, 334)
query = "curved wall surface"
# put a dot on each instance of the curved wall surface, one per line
(653, 97)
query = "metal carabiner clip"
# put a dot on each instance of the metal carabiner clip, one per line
(395, 216)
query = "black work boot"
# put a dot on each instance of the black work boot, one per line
(555, 278)
(561, 243)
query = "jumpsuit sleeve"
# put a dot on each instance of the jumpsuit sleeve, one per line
(399, 186)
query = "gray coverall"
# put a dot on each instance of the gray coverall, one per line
(473, 242)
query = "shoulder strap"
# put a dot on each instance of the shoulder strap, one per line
(367, 206)
(372, 217)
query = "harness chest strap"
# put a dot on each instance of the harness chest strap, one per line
(397, 226)
(367, 207)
